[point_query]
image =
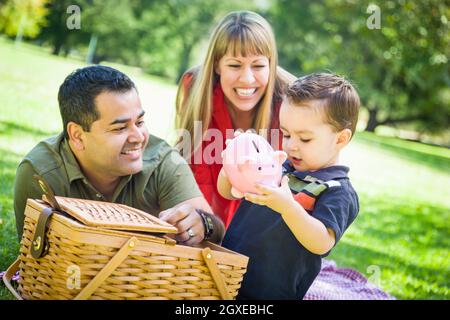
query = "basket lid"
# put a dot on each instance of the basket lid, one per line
(112, 216)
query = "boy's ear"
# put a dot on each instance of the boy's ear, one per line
(76, 132)
(344, 137)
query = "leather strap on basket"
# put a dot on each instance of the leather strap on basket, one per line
(109, 268)
(216, 274)
(49, 195)
(39, 246)
(8, 276)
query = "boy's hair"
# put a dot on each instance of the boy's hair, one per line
(76, 95)
(340, 101)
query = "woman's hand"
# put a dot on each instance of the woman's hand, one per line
(278, 199)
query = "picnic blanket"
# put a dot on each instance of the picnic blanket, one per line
(334, 283)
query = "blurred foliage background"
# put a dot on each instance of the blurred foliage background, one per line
(400, 67)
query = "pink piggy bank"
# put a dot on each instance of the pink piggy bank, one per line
(249, 159)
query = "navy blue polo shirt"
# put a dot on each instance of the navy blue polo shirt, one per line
(279, 266)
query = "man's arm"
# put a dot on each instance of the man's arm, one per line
(185, 216)
(179, 196)
(25, 187)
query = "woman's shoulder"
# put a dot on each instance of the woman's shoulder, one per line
(188, 77)
(285, 76)
(283, 79)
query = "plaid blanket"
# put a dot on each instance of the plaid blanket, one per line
(335, 283)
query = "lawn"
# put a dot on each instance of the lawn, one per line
(400, 240)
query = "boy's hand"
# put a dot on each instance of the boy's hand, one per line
(277, 199)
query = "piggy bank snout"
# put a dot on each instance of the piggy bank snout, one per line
(249, 159)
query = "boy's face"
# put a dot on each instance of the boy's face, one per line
(309, 141)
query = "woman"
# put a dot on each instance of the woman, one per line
(238, 86)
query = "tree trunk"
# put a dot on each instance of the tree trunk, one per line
(91, 49)
(57, 47)
(58, 43)
(372, 123)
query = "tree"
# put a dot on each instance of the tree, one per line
(115, 24)
(177, 28)
(25, 17)
(56, 31)
(401, 69)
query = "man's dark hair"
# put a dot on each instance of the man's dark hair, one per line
(340, 100)
(77, 93)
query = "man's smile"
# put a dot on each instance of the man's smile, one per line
(134, 152)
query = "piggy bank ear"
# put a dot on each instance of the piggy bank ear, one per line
(280, 156)
(237, 132)
(245, 162)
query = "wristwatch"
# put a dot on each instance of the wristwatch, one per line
(207, 223)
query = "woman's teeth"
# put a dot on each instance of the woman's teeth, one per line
(245, 92)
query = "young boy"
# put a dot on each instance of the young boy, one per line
(285, 231)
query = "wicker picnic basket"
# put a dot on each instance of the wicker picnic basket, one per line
(98, 250)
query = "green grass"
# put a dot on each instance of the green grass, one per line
(402, 230)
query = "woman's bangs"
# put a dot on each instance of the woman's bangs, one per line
(243, 42)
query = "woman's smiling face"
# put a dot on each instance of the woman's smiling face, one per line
(243, 79)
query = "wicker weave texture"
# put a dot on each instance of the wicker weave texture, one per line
(112, 215)
(152, 270)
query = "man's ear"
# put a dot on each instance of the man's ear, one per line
(344, 137)
(76, 135)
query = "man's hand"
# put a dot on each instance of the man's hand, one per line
(278, 199)
(188, 222)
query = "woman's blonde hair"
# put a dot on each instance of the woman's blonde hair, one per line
(239, 32)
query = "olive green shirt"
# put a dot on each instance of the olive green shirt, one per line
(165, 180)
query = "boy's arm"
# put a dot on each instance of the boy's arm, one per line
(309, 231)
(224, 186)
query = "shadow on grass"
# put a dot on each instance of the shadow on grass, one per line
(433, 161)
(11, 128)
(9, 161)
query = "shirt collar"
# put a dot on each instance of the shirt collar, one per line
(324, 174)
(71, 163)
(74, 171)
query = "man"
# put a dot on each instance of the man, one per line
(105, 153)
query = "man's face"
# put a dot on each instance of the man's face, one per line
(115, 144)
(309, 141)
